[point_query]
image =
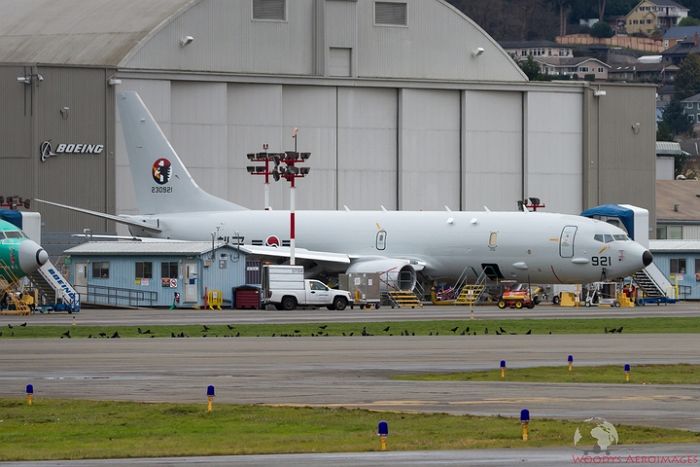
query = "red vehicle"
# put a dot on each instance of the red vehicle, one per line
(516, 299)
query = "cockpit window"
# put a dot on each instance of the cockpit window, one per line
(620, 237)
(608, 238)
(599, 238)
(13, 234)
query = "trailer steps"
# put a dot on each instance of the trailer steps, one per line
(405, 299)
(470, 294)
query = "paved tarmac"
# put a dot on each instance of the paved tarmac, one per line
(190, 316)
(355, 372)
(683, 454)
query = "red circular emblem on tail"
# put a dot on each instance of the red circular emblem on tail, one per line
(161, 171)
(272, 240)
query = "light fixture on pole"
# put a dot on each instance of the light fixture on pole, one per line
(285, 167)
(265, 157)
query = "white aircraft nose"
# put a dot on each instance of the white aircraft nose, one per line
(31, 256)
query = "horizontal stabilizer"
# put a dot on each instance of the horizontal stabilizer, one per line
(149, 226)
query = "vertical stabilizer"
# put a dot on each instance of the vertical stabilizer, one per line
(161, 181)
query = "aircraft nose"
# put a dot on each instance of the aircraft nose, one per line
(647, 258)
(31, 256)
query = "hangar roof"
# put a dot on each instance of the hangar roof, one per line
(431, 40)
(79, 32)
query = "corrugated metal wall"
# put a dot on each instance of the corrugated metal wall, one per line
(554, 149)
(493, 149)
(59, 105)
(16, 120)
(429, 139)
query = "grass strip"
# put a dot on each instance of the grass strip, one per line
(464, 328)
(73, 429)
(640, 374)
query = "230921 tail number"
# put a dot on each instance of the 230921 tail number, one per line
(601, 261)
(161, 189)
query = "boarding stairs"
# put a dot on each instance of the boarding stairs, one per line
(469, 294)
(8, 293)
(57, 291)
(656, 287)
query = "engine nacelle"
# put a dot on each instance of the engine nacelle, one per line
(393, 273)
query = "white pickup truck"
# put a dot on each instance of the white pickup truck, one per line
(286, 289)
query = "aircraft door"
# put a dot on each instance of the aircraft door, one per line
(80, 280)
(566, 242)
(191, 279)
(381, 240)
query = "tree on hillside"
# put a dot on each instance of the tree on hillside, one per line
(687, 80)
(601, 10)
(531, 68)
(674, 119)
(689, 21)
(602, 29)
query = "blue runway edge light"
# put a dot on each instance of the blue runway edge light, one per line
(383, 428)
(210, 391)
(524, 415)
(30, 389)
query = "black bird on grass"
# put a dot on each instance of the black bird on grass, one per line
(24, 325)
(147, 331)
(102, 334)
(503, 331)
(89, 336)
(172, 334)
(454, 329)
(116, 335)
(66, 334)
(529, 331)
(238, 334)
(139, 330)
(352, 334)
(386, 329)
(498, 333)
(230, 328)
(323, 326)
(9, 325)
(467, 330)
(205, 327)
(486, 330)
(182, 334)
(619, 330)
(296, 331)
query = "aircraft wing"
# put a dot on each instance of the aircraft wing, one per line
(119, 219)
(299, 253)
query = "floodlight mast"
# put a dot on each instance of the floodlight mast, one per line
(285, 166)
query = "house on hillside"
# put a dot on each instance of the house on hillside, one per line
(676, 54)
(678, 209)
(678, 34)
(651, 15)
(691, 109)
(520, 50)
(574, 67)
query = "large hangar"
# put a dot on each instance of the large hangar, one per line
(406, 104)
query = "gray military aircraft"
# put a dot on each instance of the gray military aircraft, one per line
(524, 246)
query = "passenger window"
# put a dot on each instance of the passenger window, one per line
(608, 238)
(599, 238)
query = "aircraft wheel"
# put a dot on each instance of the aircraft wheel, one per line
(501, 304)
(588, 304)
(518, 304)
(376, 306)
(555, 299)
(536, 300)
(531, 305)
(289, 303)
(339, 303)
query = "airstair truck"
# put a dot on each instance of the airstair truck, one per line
(286, 289)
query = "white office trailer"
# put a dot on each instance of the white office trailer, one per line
(406, 104)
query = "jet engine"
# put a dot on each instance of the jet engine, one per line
(393, 273)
